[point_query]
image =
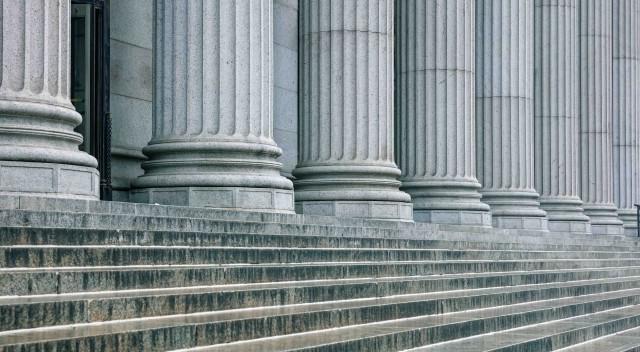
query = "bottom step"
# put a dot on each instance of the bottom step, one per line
(486, 323)
(549, 336)
(623, 341)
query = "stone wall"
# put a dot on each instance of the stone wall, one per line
(131, 89)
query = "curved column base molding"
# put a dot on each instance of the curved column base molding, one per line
(49, 180)
(604, 219)
(565, 214)
(236, 198)
(515, 209)
(358, 191)
(628, 217)
(369, 209)
(447, 201)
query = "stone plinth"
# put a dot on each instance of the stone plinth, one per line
(38, 147)
(556, 115)
(346, 157)
(435, 110)
(212, 139)
(626, 112)
(504, 113)
(596, 95)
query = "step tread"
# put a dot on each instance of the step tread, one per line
(297, 265)
(301, 249)
(158, 292)
(336, 335)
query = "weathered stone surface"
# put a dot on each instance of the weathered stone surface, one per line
(212, 141)
(167, 277)
(346, 161)
(435, 110)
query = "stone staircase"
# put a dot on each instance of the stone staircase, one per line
(107, 276)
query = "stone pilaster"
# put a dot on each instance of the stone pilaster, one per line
(626, 112)
(435, 109)
(596, 167)
(212, 139)
(346, 159)
(556, 114)
(504, 113)
(38, 147)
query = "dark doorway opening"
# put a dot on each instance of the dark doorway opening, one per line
(90, 82)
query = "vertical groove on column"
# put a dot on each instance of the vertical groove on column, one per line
(435, 108)
(556, 114)
(596, 173)
(504, 110)
(626, 78)
(212, 137)
(346, 163)
(37, 119)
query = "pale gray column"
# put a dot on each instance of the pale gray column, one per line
(556, 115)
(435, 109)
(626, 112)
(212, 139)
(596, 166)
(38, 147)
(504, 113)
(346, 160)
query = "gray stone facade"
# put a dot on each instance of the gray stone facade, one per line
(433, 111)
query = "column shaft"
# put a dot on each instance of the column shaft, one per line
(38, 147)
(435, 109)
(556, 114)
(346, 159)
(504, 110)
(212, 139)
(626, 112)
(596, 172)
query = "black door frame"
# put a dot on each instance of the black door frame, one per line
(100, 92)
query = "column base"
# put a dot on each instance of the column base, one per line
(629, 224)
(515, 209)
(49, 180)
(604, 219)
(565, 214)
(446, 200)
(453, 217)
(369, 209)
(237, 198)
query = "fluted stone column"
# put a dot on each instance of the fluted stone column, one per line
(346, 159)
(212, 139)
(626, 112)
(435, 109)
(596, 172)
(504, 113)
(38, 147)
(556, 115)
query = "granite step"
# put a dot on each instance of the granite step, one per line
(621, 341)
(181, 331)
(54, 255)
(81, 236)
(36, 311)
(14, 218)
(556, 335)
(106, 278)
